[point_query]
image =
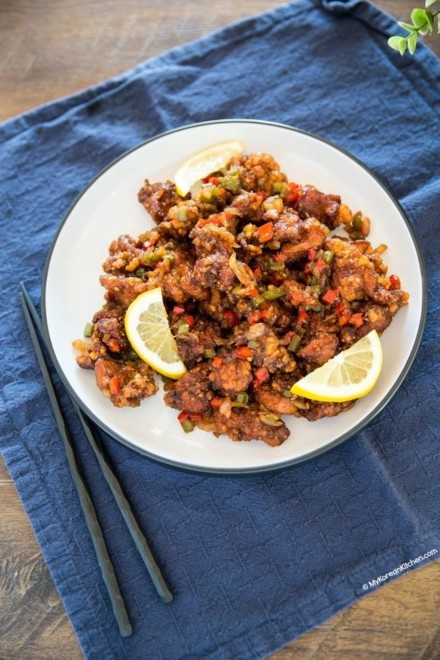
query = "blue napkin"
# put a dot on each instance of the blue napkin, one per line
(253, 561)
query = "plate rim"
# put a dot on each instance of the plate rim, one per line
(228, 471)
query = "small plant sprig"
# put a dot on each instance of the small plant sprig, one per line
(422, 24)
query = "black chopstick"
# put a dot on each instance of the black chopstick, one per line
(122, 502)
(94, 528)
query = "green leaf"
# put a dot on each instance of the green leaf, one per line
(428, 3)
(418, 17)
(397, 43)
(412, 42)
(407, 27)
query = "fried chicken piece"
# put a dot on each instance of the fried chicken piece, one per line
(318, 350)
(324, 207)
(274, 401)
(269, 353)
(245, 424)
(319, 409)
(257, 171)
(311, 234)
(125, 384)
(158, 198)
(214, 271)
(211, 239)
(190, 392)
(231, 376)
(192, 345)
(123, 290)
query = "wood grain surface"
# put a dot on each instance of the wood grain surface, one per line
(52, 48)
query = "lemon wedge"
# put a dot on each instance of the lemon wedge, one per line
(148, 331)
(349, 375)
(203, 163)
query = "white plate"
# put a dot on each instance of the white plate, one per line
(109, 207)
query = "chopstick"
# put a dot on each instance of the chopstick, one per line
(93, 526)
(122, 502)
(33, 319)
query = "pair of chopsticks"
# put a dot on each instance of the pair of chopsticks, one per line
(34, 324)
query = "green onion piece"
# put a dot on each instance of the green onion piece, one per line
(278, 186)
(187, 425)
(253, 343)
(209, 353)
(183, 327)
(182, 213)
(237, 289)
(88, 329)
(273, 294)
(242, 397)
(170, 259)
(139, 272)
(270, 419)
(316, 288)
(257, 301)
(287, 393)
(357, 221)
(231, 182)
(294, 344)
(328, 257)
(151, 258)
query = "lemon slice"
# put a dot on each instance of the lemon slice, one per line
(349, 375)
(204, 163)
(148, 331)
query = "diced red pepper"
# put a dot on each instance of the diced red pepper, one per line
(262, 194)
(356, 319)
(216, 361)
(254, 316)
(330, 296)
(114, 346)
(114, 386)
(265, 313)
(279, 256)
(394, 282)
(261, 375)
(213, 180)
(265, 232)
(190, 320)
(302, 315)
(253, 293)
(343, 319)
(178, 310)
(183, 415)
(295, 192)
(216, 402)
(230, 317)
(311, 254)
(258, 273)
(320, 265)
(244, 352)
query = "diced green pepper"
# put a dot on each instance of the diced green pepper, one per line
(242, 397)
(187, 425)
(273, 294)
(209, 353)
(183, 327)
(88, 329)
(294, 344)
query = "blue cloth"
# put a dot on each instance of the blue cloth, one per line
(254, 561)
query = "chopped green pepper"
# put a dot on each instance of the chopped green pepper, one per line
(273, 294)
(88, 329)
(242, 397)
(183, 327)
(209, 353)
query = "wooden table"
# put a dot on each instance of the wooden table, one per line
(53, 48)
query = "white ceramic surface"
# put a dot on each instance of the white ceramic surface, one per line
(109, 207)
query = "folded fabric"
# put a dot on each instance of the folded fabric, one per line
(253, 561)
